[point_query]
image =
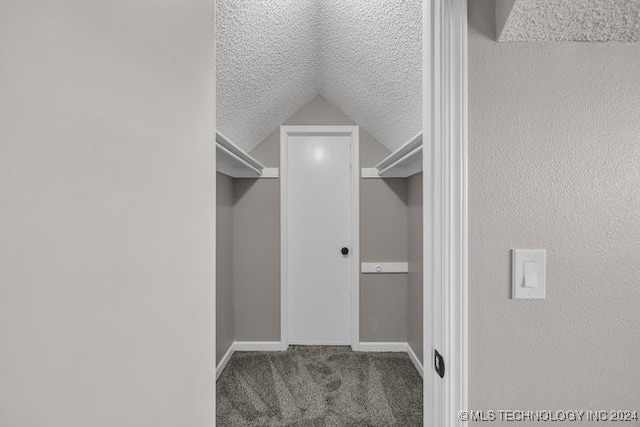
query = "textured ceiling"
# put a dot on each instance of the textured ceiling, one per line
(266, 65)
(371, 65)
(274, 56)
(568, 20)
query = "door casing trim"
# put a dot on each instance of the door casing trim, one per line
(445, 187)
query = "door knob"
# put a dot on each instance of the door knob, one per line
(344, 251)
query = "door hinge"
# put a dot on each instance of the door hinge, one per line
(438, 363)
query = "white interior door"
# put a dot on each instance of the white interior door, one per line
(319, 227)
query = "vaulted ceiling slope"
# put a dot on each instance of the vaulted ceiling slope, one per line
(274, 56)
(568, 20)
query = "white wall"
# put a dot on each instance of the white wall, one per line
(554, 163)
(106, 213)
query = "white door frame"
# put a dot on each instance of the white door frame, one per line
(353, 133)
(445, 167)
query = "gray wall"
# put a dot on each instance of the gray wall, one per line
(415, 278)
(555, 164)
(107, 214)
(224, 265)
(257, 241)
(256, 259)
(383, 237)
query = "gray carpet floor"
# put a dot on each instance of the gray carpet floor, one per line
(319, 386)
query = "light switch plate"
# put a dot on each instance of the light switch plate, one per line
(528, 283)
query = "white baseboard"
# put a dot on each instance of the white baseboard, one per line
(415, 360)
(383, 346)
(258, 346)
(224, 360)
(322, 343)
(246, 346)
(401, 347)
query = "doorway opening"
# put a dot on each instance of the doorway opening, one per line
(256, 297)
